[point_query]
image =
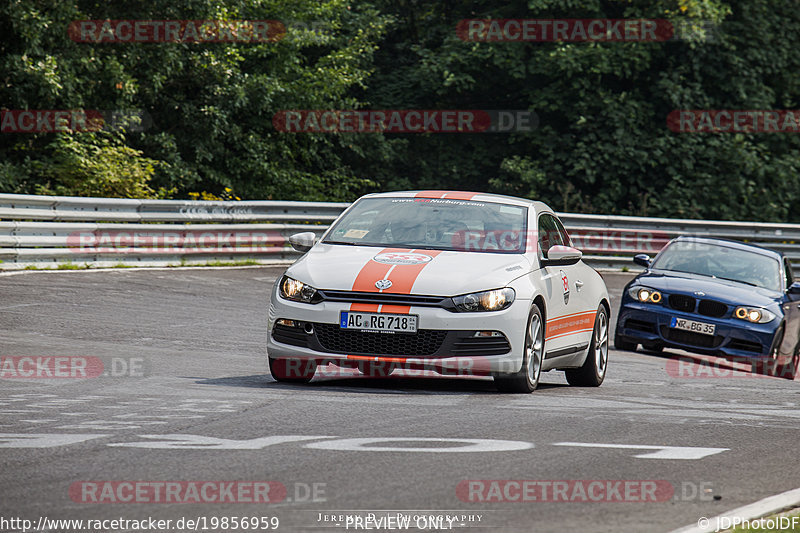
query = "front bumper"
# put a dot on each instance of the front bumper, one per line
(444, 341)
(734, 339)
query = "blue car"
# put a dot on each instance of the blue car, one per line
(715, 297)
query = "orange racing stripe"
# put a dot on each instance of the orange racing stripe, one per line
(366, 278)
(402, 277)
(452, 195)
(570, 324)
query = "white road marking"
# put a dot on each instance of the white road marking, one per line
(199, 442)
(43, 440)
(688, 453)
(111, 425)
(17, 305)
(456, 445)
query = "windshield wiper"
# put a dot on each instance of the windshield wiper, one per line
(343, 242)
(736, 280)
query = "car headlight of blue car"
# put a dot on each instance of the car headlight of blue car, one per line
(645, 294)
(754, 314)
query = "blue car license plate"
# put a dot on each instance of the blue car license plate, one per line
(692, 325)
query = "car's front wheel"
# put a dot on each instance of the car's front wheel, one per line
(788, 370)
(593, 371)
(292, 370)
(527, 379)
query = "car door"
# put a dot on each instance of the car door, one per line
(582, 305)
(563, 329)
(791, 311)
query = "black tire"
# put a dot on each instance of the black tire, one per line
(769, 367)
(621, 344)
(788, 370)
(654, 348)
(527, 379)
(292, 370)
(593, 371)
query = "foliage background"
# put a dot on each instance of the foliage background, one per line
(602, 145)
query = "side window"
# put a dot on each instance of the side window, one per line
(549, 235)
(787, 266)
(565, 240)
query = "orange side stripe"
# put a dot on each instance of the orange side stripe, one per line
(570, 324)
(570, 333)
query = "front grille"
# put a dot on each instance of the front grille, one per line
(681, 302)
(640, 325)
(745, 346)
(384, 298)
(481, 346)
(290, 335)
(691, 338)
(712, 308)
(334, 339)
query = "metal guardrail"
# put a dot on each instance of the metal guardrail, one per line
(44, 231)
(79, 209)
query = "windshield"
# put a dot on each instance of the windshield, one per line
(721, 262)
(439, 224)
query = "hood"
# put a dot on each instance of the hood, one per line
(729, 292)
(422, 272)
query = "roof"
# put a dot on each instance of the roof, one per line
(465, 195)
(738, 245)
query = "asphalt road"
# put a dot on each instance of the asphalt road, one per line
(187, 397)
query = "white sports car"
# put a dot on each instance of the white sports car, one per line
(455, 282)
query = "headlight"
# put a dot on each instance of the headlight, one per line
(645, 294)
(495, 300)
(297, 291)
(754, 314)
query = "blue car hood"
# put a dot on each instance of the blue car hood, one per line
(729, 292)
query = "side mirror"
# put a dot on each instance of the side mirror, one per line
(643, 260)
(794, 289)
(302, 242)
(561, 256)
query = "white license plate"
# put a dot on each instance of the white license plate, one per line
(378, 322)
(691, 325)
